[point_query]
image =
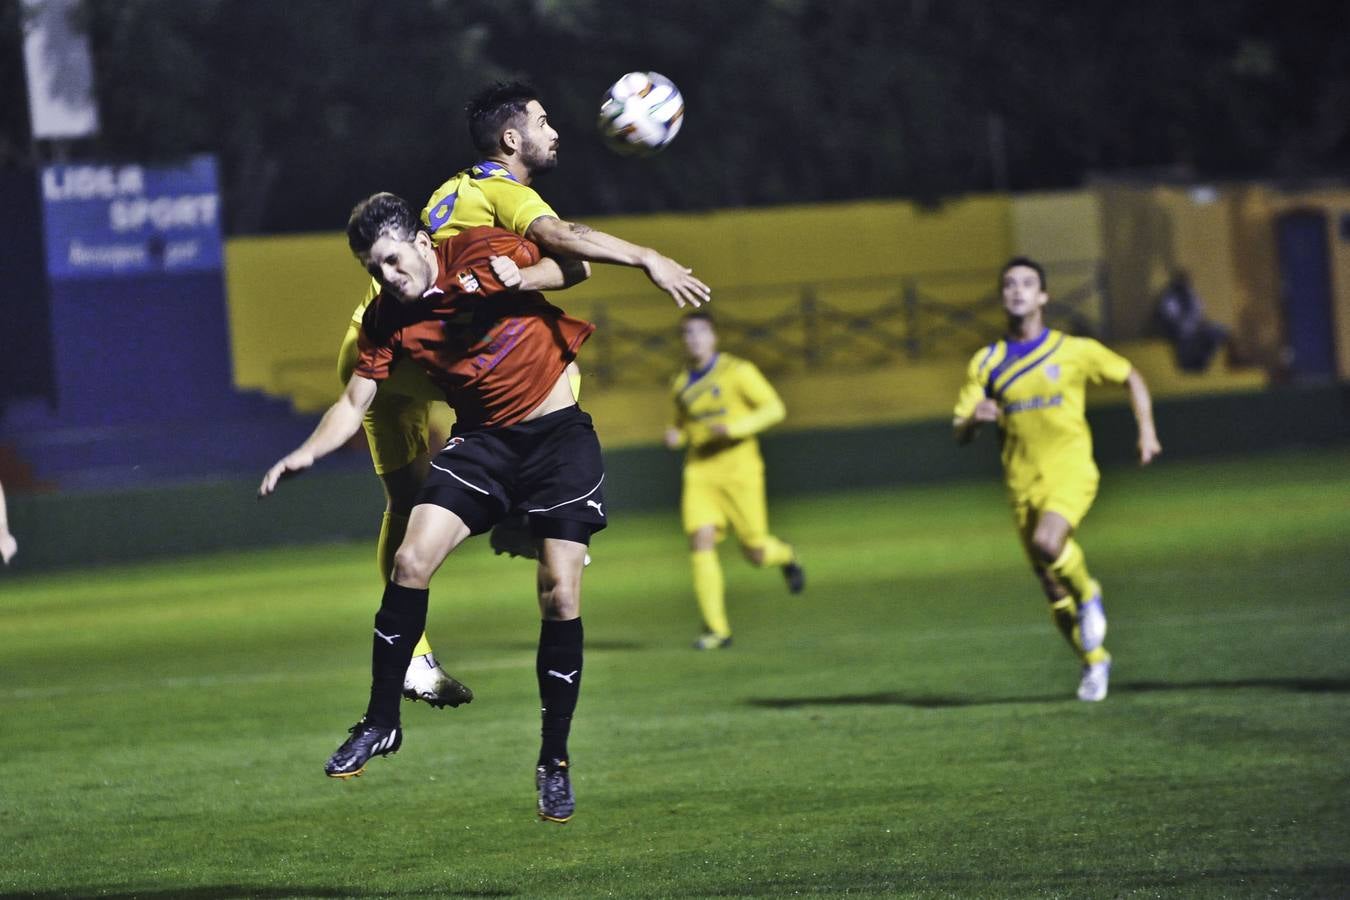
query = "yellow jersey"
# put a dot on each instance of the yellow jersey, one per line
(728, 391)
(483, 194)
(1040, 387)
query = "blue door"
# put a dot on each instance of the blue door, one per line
(1305, 281)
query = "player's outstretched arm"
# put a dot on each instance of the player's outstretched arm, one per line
(583, 242)
(339, 423)
(1142, 404)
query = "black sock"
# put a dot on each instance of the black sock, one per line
(398, 626)
(558, 667)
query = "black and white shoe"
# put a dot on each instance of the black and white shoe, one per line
(426, 681)
(556, 801)
(795, 576)
(366, 741)
(1096, 680)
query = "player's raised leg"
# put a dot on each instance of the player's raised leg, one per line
(770, 552)
(558, 668)
(397, 428)
(432, 533)
(424, 679)
(748, 512)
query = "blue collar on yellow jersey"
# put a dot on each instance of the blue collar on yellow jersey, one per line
(487, 168)
(1015, 352)
(696, 374)
(437, 217)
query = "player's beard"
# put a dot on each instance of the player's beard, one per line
(539, 158)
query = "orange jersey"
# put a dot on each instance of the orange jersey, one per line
(495, 354)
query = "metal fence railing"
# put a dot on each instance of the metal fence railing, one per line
(828, 325)
(844, 324)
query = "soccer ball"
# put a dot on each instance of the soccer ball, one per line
(641, 113)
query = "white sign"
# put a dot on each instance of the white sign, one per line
(61, 103)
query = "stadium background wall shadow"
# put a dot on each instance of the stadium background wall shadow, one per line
(342, 503)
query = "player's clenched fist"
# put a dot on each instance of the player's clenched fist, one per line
(986, 411)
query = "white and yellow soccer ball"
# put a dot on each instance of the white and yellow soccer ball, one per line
(641, 113)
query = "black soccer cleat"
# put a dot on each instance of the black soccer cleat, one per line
(795, 576)
(556, 801)
(366, 741)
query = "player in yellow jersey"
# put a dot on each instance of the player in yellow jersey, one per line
(1032, 384)
(510, 128)
(721, 403)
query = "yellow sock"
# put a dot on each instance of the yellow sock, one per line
(392, 529)
(1071, 570)
(1064, 612)
(1092, 657)
(709, 591)
(776, 553)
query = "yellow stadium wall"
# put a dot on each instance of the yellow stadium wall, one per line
(1059, 227)
(902, 392)
(790, 246)
(290, 299)
(291, 296)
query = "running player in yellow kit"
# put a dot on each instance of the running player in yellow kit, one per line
(721, 403)
(510, 128)
(1032, 384)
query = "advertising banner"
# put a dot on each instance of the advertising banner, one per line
(104, 221)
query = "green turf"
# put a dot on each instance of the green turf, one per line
(905, 728)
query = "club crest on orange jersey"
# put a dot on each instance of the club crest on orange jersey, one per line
(468, 281)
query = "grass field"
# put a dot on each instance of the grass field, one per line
(905, 728)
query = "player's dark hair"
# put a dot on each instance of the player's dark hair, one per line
(493, 109)
(1023, 261)
(381, 214)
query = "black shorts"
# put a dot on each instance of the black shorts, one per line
(548, 468)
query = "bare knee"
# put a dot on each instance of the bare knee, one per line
(559, 579)
(704, 538)
(1047, 547)
(1051, 534)
(559, 601)
(412, 567)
